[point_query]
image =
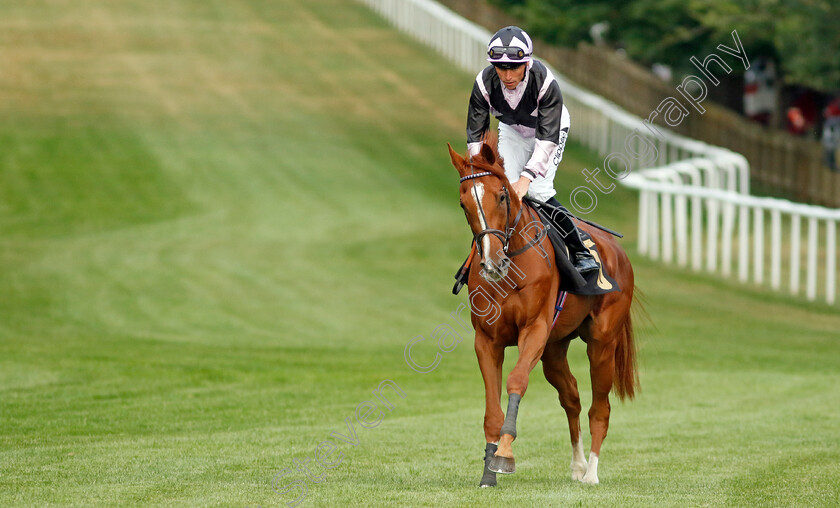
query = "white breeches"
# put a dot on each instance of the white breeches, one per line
(517, 150)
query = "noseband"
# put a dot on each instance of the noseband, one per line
(503, 236)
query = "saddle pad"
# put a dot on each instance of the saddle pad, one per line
(595, 282)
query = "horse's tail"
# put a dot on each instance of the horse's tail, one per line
(626, 379)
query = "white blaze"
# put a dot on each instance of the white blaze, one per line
(478, 196)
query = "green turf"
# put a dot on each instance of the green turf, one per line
(222, 222)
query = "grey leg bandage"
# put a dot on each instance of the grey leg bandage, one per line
(509, 427)
(488, 479)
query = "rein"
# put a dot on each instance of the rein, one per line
(503, 236)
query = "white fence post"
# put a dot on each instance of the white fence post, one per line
(711, 239)
(667, 228)
(831, 260)
(682, 229)
(794, 253)
(776, 249)
(758, 244)
(696, 233)
(743, 243)
(653, 230)
(726, 239)
(811, 284)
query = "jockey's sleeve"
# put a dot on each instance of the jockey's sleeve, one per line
(478, 116)
(549, 115)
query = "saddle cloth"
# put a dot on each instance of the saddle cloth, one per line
(593, 283)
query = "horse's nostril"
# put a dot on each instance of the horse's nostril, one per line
(504, 263)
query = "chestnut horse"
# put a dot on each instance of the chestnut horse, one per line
(506, 242)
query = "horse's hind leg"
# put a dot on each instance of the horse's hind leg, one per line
(556, 370)
(601, 370)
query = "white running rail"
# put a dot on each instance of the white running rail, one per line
(692, 195)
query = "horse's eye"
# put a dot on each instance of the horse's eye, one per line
(502, 198)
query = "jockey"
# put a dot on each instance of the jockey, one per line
(533, 125)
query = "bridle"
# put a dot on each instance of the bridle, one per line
(503, 236)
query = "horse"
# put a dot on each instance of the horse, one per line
(512, 297)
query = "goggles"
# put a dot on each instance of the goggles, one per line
(508, 65)
(497, 52)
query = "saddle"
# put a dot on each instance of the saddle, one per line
(593, 283)
(571, 281)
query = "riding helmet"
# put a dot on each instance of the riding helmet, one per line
(511, 46)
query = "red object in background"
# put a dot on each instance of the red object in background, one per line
(803, 113)
(833, 108)
(796, 123)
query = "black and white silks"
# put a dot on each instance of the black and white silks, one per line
(534, 110)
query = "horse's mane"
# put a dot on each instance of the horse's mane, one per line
(491, 139)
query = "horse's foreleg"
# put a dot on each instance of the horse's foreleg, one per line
(490, 359)
(556, 370)
(531, 346)
(503, 461)
(601, 370)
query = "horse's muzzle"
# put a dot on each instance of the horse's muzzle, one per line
(494, 271)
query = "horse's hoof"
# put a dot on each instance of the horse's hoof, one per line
(590, 479)
(503, 465)
(591, 476)
(578, 471)
(488, 480)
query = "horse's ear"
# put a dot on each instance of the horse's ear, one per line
(457, 160)
(488, 153)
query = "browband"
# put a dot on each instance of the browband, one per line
(476, 175)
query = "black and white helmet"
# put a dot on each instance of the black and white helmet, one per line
(511, 46)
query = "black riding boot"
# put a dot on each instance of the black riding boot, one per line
(580, 255)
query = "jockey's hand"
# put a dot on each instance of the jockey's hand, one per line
(521, 186)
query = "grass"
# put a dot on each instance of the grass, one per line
(213, 250)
